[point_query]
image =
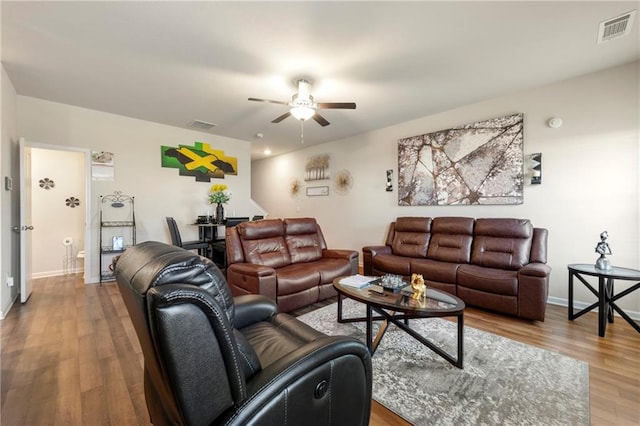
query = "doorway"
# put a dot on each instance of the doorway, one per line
(60, 209)
(57, 197)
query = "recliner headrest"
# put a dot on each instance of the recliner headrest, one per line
(152, 263)
(301, 226)
(266, 228)
(505, 228)
(413, 224)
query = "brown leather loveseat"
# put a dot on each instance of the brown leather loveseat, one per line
(497, 264)
(286, 260)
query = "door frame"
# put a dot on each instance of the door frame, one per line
(89, 257)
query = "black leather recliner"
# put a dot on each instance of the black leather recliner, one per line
(210, 358)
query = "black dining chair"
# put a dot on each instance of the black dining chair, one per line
(201, 245)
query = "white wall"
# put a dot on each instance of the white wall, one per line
(590, 176)
(9, 207)
(52, 219)
(158, 191)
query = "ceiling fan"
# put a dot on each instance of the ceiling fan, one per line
(303, 106)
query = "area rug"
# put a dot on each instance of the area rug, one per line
(503, 382)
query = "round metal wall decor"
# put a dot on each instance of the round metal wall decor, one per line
(46, 183)
(343, 181)
(294, 188)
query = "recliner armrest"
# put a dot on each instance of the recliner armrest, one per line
(340, 254)
(253, 308)
(351, 256)
(535, 269)
(252, 269)
(245, 278)
(374, 250)
(368, 253)
(344, 361)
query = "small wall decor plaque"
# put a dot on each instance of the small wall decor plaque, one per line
(316, 191)
(389, 186)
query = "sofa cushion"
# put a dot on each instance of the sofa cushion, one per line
(303, 239)
(263, 243)
(392, 264)
(331, 269)
(297, 277)
(488, 280)
(304, 248)
(451, 239)
(502, 243)
(270, 252)
(411, 237)
(272, 341)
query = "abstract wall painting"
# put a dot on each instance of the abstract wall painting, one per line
(479, 163)
(199, 161)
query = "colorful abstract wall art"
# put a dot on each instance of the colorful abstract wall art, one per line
(479, 163)
(200, 161)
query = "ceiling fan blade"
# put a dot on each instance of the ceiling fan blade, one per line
(269, 101)
(282, 117)
(337, 105)
(320, 119)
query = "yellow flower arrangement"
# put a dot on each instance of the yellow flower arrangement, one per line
(218, 194)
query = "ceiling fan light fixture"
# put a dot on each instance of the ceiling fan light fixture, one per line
(302, 112)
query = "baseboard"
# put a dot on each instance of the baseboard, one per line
(577, 305)
(5, 311)
(58, 273)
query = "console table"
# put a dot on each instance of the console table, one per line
(605, 293)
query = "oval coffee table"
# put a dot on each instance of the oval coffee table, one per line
(398, 308)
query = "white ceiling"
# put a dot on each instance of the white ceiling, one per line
(173, 62)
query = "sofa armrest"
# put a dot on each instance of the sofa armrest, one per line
(248, 278)
(253, 308)
(533, 290)
(349, 255)
(368, 252)
(340, 254)
(536, 269)
(374, 250)
(343, 362)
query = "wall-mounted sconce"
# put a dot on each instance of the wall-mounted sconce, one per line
(389, 187)
(536, 168)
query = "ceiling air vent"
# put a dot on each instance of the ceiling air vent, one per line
(201, 125)
(616, 27)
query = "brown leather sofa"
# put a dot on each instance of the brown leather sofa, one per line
(497, 264)
(286, 260)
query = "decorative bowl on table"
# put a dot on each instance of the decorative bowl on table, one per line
(391, 282)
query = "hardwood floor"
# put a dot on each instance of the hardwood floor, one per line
(70, 356)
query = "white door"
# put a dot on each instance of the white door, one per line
(26, 279)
